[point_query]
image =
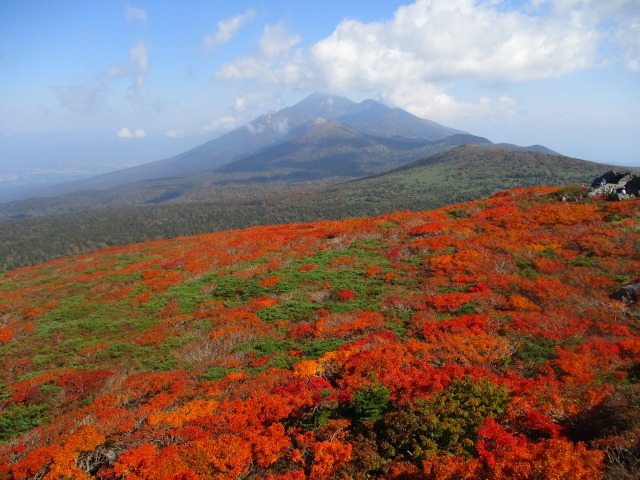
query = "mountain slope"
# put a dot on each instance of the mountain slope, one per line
(318, 149)
(474, 341)
(331, 149)
(374, 118)
(460, 174)
(465, 173)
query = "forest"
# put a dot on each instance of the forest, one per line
(478, 340)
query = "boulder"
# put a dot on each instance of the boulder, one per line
(633, 185)
(606, 189)
(608, 177)
(628, 294)
(618, 186)
(619, 196)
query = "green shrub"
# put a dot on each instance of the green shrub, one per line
(536, 350)
(584, 262)
(447, 422)
(20, 418)
(159, 362)
(216, 373)
(316, 349)
(371, 402)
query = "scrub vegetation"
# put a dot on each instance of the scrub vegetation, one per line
(476, 340)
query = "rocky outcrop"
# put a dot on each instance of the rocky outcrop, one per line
(618, 186)
(628, 294)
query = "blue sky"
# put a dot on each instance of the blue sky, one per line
(97, 85)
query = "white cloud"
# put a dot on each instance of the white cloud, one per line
(414, 59)
(248, 101)
(92, 97)
(273, 63)
(445, 40)
(176, 133)
(223, 124)
(240, 104)
(124, 132)
(623, 18)
(226, 29)
(243, 68)
(136, 68)
(216, 126)
(276, 41)
(133, 13)
(139, 67)
(427, 100)
(255, 128)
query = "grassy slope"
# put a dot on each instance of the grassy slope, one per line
(467, 173)
(119, 347)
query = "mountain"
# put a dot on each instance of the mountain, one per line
(374, 118)
(480, 340)
(308, 158)
(299, 176)
(168, 210)
(459, 174)
(315, 150)
(328, 148)
(369, 117)
(533, 148)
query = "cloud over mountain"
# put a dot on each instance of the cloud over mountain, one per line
(559, 72)
(272, 63)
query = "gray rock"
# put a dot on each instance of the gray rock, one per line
(618, 196)
(633, 185)
(606, 189)
(628, 294)
(608, 177)
(618, 186)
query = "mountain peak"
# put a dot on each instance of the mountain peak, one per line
(321, 105)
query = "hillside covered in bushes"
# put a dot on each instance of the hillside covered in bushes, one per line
(479, 340)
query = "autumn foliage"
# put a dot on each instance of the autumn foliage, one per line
(474, 341)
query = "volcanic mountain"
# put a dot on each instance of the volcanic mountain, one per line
(369, 117)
